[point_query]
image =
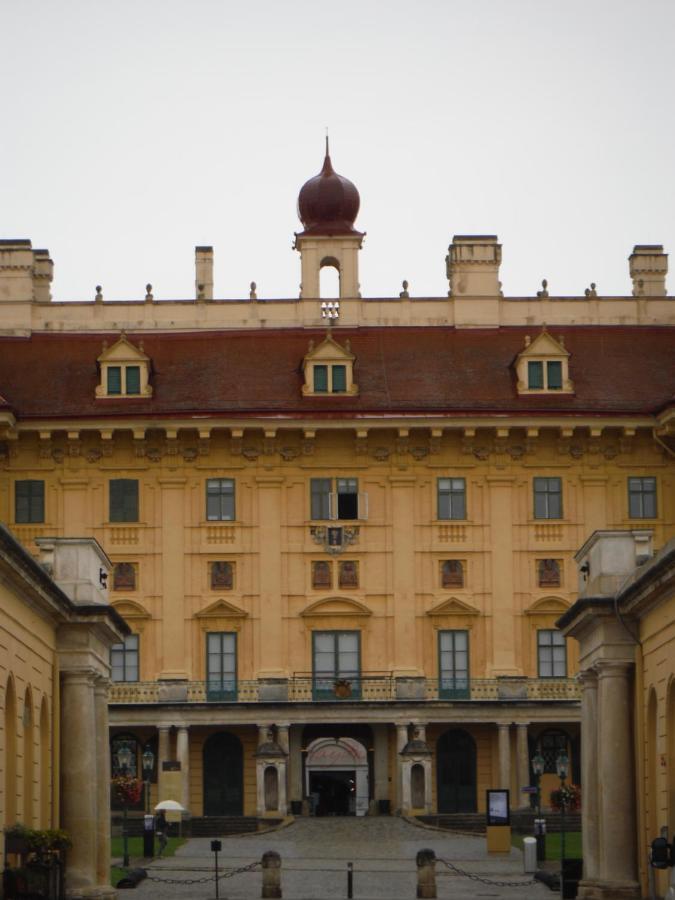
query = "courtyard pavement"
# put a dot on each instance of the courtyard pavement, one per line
(314, 856)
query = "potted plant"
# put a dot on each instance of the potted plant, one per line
(342, 688)
(566, 798)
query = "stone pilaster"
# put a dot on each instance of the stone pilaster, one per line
(403, 562)
(183, 757)
(163, 754)
(269, 661)
(590, 832)
(401, 741)
(103, 783)
(295, 762)
(381, 761)
(504, 747)
(522, 766)
(79, 770)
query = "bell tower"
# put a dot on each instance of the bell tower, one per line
(327, 207)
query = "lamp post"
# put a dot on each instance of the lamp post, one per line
(148, 762)
(562, 764)
(538, 764)
(124, 755)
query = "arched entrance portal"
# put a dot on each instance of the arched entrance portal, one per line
(223, 775)
(336, 775)
(456, 772)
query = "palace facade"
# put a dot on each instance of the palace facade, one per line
(342, 530)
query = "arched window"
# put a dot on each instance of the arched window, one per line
(130, 742)
(551, 744)
(329, 279)
(271, 789)
(417, 786)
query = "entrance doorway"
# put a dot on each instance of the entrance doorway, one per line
(456, 772)
(333, 793)
(337, 780)
(223, 775)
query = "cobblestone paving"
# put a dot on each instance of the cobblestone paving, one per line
(315, 853)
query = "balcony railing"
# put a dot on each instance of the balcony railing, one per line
(366, 687)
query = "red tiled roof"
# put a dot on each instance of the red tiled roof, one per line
(432, 370)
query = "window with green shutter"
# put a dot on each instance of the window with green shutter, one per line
(221, 665)
(124, 500)
(133, 379)
(114, 379)
(336, 664)
(453, 664)
(547, 498)
(124, 659)
(554, 375)
(29, 501)
(320, 379)
(220, 499)
(339, 379)
(535, 375)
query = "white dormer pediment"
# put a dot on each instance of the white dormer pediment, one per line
(125, 370)
(329, 369)
(542, 367)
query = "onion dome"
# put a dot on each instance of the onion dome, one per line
(328, 204)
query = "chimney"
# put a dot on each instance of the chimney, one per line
(25, 274)
(473, 265)
(204, 273)
(648, 268)
(608, 557)
(78, 566)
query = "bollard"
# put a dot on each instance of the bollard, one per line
(271, 874)
(350, 881)
(426, 874)
(530, 855)
(215, 847)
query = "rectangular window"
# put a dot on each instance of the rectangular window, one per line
(641, 498)
(29, 501)
(339, 379)
(343, 503)
(551, 654)
(535, 375)
(554, 375)
(453, 664)
(336, 665)
(221, 666)
(348, 574)
(451, 498)
(124, 500)
(320, 379)
(133, 379)
(547, 498)
(124, 659)
(114, 380)
(220, 499)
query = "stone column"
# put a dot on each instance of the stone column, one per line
(616, 785)
(523, 765)
(590, 832)
(269, 662)
(401, 741)
(403, 574)
(103, 783)
(183, 757)
(162, 756)
(79, 769)
(381, 761)
(504, 757)
(283, 739)
(295, 762)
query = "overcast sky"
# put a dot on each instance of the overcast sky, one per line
(133, 130)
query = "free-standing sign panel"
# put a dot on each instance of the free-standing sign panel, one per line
(497, 805)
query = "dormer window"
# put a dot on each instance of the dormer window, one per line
(329, 369)
(543, 366)
(125, 371)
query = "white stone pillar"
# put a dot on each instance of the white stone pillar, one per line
(590, 832)
(79, 770)
(616, 785)
(401, 741)
(183, 757)
(163, 755)
(103, 783)
(523, 765)
(381, 761)
(504, 757)
(295, 762)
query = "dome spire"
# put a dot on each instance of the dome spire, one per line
(328, 203)
(327, 168)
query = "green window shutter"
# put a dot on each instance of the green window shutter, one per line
(320, 498)
(114, 380)
(554, 376)
(133, 379)
(339, 379)
(124, 500)
(535, 375)
(320, 379)
(29, 501)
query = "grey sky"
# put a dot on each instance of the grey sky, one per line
(132, 131)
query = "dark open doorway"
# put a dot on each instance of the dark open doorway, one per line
(333, 793)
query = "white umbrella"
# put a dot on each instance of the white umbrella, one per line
(173, 805)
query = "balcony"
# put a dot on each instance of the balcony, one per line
(366, 687)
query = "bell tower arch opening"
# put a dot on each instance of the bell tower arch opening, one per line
(330, 278)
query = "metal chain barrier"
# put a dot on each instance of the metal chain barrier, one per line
(491, 881)
(251, 867)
